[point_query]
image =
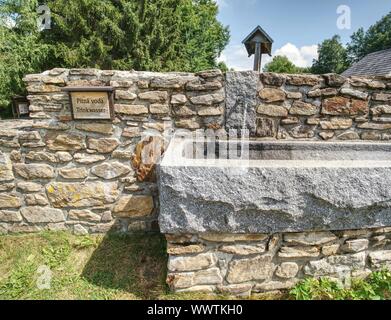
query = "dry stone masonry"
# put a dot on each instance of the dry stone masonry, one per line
(241, 264)
(89, 176)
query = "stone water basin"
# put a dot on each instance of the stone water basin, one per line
(289, 186)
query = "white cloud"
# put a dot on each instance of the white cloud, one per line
(236, 57)
(301, 57)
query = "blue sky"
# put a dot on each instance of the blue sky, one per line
(296, 26)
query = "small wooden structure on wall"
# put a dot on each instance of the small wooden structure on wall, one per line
(257, 43)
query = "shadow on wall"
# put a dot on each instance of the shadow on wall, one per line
(136, 264)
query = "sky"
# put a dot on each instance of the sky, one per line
(296, 26)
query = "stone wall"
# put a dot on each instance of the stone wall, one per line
(89, 176)
(251, 263)
(319, 107)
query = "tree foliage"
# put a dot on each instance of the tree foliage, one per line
(377, 37)
(281, 64)
(332, 57)
(155, 35)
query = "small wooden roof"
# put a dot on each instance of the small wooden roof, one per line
(258, 35)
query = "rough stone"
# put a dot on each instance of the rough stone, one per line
(134, 206)
(357, 245)
(221, 237)
(204, 86)
(294, 95)
(63, 156)
(187, 249)
(384, 97)
(374, 126)
(154, 96)
(337, 124)
(6, 173)
(354, 93)
(272, 110)
(207, 99)
(371, 136)
(303, 80)
(192, 263)
(84, 215)
(275, 190)
(287, 270)
(273, 79)
(64, 142)
(259, 268)
(298, 252)
(110, 170)
(309, 238)
(34, 171)
(88, 159)
(125, 95)
(303, 109)
(326, 92)
(275, 285)
(10, 216)
(157, 108)
(131, 132)
(350, 135)
(290, 120)
(190, 123)
(37, 199)
(327, 135)
(242, 249)
(330, 250)
(272, 95)
(335, 265)
(42, 215)
(132, 110)
(344, 106)
(73, 173)
(77, 195)
(103, 145)
(266, 128)
(241, 97)
(29, 186)
(380, 259)
(178, 99)
(210, 111)
(104, 128)
(41, 156)
(302, 132)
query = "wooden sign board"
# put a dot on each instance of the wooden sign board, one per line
(93, 103)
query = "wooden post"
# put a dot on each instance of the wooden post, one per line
(258, 57)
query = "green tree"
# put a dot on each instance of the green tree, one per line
(332, 57)
(21, 50)
(155, 35)
(377, 37)
(281, 64)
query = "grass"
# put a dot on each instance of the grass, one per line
(376, 287)
(111, 267)
(127, 267)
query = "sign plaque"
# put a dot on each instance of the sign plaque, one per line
(92, 103)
